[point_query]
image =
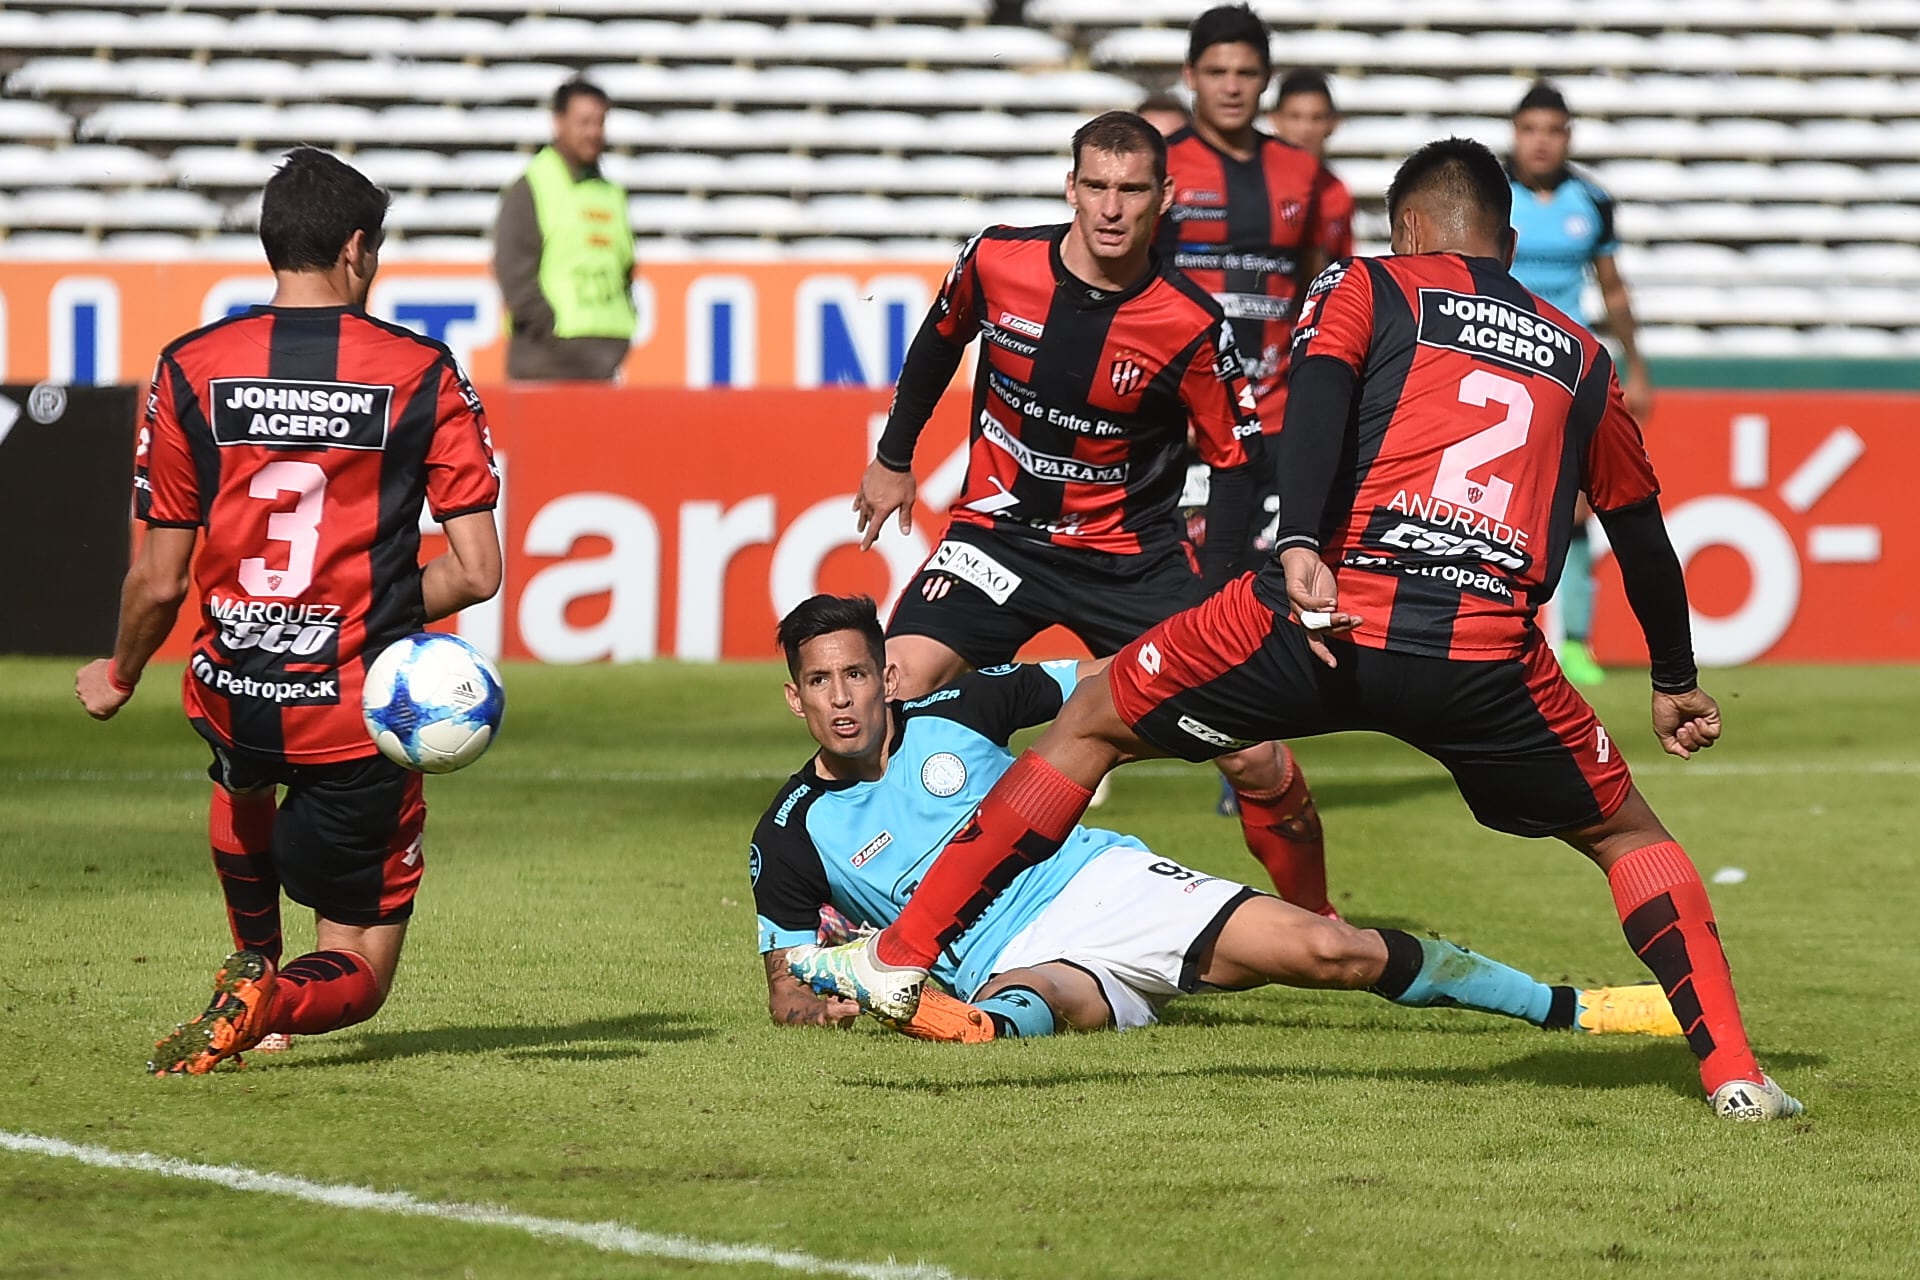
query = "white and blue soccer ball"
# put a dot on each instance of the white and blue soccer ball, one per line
(433, 702)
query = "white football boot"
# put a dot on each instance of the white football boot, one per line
(852, 972)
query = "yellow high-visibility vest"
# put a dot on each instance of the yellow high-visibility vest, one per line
(586, 253)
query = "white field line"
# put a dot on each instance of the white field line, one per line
(608, 1237)
(1702, 768)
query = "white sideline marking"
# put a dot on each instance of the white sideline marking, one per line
(1157, 769)
(608, 1237)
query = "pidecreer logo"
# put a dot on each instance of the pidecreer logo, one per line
(1127, 375)
(281, 413)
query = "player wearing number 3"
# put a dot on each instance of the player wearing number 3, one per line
(1439, 423)
(302, 437)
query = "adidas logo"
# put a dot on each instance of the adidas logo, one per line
(1737, 1103)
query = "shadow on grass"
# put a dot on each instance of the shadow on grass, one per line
(1572, 1065)
(1365, 793)
(598, 1039)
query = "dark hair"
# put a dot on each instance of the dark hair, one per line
(1300, 82)
(1162, 102)
(563, 96)
(1461, 171)
(1228, 24)
(822, 615)
(1122, 133)
(1543, 96)
(313, 204)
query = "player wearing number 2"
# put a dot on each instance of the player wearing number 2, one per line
(1439, 423)
(302, 437)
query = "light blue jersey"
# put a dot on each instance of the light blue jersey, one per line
(1559, 237)
(862, 847)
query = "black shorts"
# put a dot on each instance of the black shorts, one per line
(346, 841)
(1529, 755)
(985, 594)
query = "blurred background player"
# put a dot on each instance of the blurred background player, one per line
(1402, 602)
(1096, 364)
(1248, 225)
(1102, 934)
(310, 564)
(1304, 116)
(1164, 112)
(563, 252)
(1564, 222)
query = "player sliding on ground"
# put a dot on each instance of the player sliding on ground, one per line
(1098, 936)
(1439, 423)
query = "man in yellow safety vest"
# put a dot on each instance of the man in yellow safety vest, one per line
(563, 251)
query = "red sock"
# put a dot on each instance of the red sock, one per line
(1023, 821)
(240, 829)
(324, 991)
(1283, 831)
(1669, 924)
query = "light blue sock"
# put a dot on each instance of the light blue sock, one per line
(1018, 1013)
(1453, 975)
(1576, 589)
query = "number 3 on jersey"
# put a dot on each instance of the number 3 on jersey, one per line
(1489, 496)
(298, 528)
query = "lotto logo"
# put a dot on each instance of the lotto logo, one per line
(1602, 746)
(1149, 659)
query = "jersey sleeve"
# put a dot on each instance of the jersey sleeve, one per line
(1336, 319)
(956, 311)
(997, 702)
(1220, 404)
(789, 880)
(461, 475)
(1618, 471)
(1606, 240)
(166, 487)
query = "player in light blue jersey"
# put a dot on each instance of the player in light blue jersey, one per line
(1563, 223)
(1099, 935)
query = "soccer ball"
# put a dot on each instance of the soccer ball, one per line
(432, 702)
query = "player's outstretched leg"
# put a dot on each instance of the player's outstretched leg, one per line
(234, 1020)
(1266, 940)
(1669, 923)
(1280, 823)
(343, 982)
(240, 831)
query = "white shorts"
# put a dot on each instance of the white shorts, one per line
(1136, 923)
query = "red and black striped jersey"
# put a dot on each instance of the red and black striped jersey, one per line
(1479, 411)
(302, 441)
(1082, 397)
(1244, 229)
(1336, 220)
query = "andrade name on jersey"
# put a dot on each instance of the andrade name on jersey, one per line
(280, 413)
(1498, 331)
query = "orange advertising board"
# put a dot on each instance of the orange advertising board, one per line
(701, 324)
(673, 523)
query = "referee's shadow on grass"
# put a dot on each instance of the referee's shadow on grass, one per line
(595, 1040)
(1571, 1065)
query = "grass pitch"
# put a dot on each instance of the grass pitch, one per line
(579, 1028)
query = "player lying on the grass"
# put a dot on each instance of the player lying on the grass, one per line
(1440, 421)
(1098, 936)
(298, 538)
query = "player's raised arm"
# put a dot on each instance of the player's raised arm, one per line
(932, 359)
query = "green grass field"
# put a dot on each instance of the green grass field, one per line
(579, 1030)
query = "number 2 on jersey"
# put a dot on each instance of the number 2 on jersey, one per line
(1490, 496)
(298, 528)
